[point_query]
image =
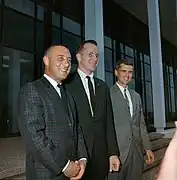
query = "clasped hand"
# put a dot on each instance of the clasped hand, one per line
(75, 170)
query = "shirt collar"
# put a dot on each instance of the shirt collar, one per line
(121, 88)
(52, 81)
(83, 75)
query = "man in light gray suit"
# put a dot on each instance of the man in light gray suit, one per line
(130, 126)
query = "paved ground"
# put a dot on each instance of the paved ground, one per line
(12, 157)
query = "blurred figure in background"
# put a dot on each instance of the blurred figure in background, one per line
(168, 169)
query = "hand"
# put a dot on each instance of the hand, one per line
(72, 170)
(114, 163)
(82, 164)
(150, 157)
(169, 163)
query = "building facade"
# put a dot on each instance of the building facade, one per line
(28, 27)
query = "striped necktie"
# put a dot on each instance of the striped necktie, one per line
(126, 98)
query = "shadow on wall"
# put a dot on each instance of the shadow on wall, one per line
(3, 122)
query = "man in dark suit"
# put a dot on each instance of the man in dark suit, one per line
(130, 125)
(55, 147)
(94, 113)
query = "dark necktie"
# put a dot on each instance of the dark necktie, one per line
(126, 98)
(63, 96)
(92, 95)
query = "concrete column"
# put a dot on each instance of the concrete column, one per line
(156, 65)
(94, 30)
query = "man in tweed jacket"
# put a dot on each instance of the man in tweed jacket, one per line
(54, 143)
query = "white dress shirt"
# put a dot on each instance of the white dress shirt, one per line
(85, 84)
(128, 96)
(55, 85)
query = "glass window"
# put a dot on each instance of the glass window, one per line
(71, 26)
(114, 45)
(147, 72)
(107, 42)
(40, 37)
(141, 57)
(143, 95)
(55, 19)
(121, 48)
(142, 70)
(170, 69)
(121, 56)
(149, 97)
(172, 99)
(72, 42)
(169, 99)
(171, 80)
(17, 70)
(24, 6)
(108, 59)
(56, 36)
(109, 78)
(167, 68)
(40, 12)
(146, 59)
(132, 84)
(168, 79)
(167, 104)
(18, 30)
(114, 59)
(129, 51)
(165, 79)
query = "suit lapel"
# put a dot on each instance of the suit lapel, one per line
(119, 93)
(97, 93)
(71, 110)
(50, 90)
(81, 90)
(133, 101)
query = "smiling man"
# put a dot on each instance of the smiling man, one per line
(130, 126)
(94, 114)
(47, 119)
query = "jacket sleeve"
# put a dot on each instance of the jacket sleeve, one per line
(32, 126)
(144, 133)
(111, 134)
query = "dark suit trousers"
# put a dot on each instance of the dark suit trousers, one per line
(95, 170)
(131, 169)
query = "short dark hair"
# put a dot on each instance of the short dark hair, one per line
(123, 61)
(90, 41)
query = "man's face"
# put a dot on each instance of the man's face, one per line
(58, 63)
(124, 74)
(88, 58)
